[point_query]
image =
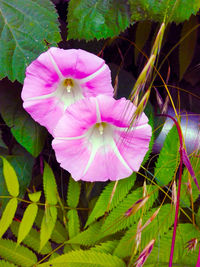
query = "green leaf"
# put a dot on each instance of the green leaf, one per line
(35, 197)
(10, 178)
(48, 224)
(73, 193)
(89, 19)
(106, 247)
(187, 46)
(22, 163)
(20, 255)
(32, 240)
(185, 196)
(8, 215)
(6, 264)
(25, 130)
(122, 189)
(73, 223)
(86, 257)
(171, 10)
(168, 159)
(24, 27)
(27, 222)
(49, 184)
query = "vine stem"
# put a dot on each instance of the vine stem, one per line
(198, 260)
(179, 186)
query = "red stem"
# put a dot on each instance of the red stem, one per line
(179, 187)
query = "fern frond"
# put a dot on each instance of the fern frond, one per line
(89, 237)
(90, 258)
(73, 193)
(32, 240)
(122, 189)
(168, 159)
(106, 247)
(19, 255)
(117, 219)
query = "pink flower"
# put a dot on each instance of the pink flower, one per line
(58, 78)
(97, 145)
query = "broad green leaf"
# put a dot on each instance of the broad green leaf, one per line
(20, 255)
(73, 223)
(142, 34)
(48, 224)
(102, 205)
(27, 222)
(8, 215)
(35, 197)
(24, 27)
(73, 193)
(75, 258)
(187, 46)
(22, 163)
(10, 178)
(89, 19)
(49, 184)
(25, 130)
(171, 10)
(168, 159)
(32, 240)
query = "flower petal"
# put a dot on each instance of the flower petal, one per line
(45, 79)
(94, 147)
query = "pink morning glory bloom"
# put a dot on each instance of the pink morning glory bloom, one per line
(97, 145)
(58, 78)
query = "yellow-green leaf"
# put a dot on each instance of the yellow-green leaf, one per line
(187, 46)
(34, 197)
(48, 224)
(10, 178)
(27, 222)
(73, 223)
(49, 184)
(73, 193)
(8, 215)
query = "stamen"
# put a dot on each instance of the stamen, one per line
(101, 129)
(68, 83)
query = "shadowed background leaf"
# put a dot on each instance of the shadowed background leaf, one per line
(24, 25)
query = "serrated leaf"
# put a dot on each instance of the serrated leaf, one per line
(171, 10)
(49, 185)
(6, 264)
(122, 189)
(73, 223)
(24, 25)
(35, 197)
(187, 46)
(87, 257)
(22, 163)
(27, 222)
(20, 255)
(73, 193)
(185, 196)
(10, 178)
(25, 130)
(8, 215)
(32, 240)
(89, 19)
(48, 224)
(168, 159)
